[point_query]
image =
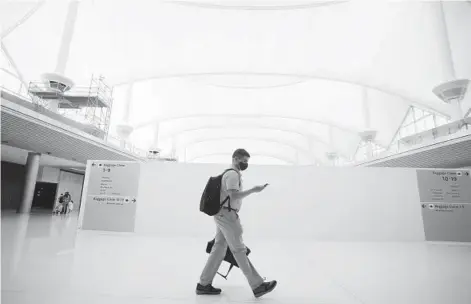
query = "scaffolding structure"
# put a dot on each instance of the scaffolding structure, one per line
(90, 105)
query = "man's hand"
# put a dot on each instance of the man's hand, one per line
(258, 189)
(242, 194)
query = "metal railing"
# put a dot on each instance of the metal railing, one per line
(453, 130)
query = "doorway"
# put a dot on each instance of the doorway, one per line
(44, 195)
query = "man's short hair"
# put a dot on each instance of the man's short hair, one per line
(240, 153)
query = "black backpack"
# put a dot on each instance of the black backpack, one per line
(211, 198)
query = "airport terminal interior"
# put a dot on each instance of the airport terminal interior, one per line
(355, 116)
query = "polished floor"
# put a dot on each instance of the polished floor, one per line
(45, 260)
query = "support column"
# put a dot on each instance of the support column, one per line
(32, 167)
(154, 150)
(445, 44)
(155, 142)
(127, 103)
(369, 150)
(124, 131)
(64, 48)
(311, 148)
(366, 109)
(452, 90)
(67, 35)
(173, 149)
(457, 109)
(333, 158)
(331, 136)
(367, 136)
(124, 136)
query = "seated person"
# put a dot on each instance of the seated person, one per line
(57, 209)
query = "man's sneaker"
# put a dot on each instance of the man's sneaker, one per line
(207, 290)
(264, 288)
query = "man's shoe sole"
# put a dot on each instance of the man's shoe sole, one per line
(258, 295)
(202, 292)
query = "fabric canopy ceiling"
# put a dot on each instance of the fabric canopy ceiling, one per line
(289, 80)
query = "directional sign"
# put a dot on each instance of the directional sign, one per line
(447, 222)
(444, 186)
(111, 198)
(445, 197)
(114, 178)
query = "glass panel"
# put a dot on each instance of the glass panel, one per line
(440, 120)
(410, 118)
(408, 130)
(421, 125)
(361, 153)
(418, 113)
(429, 122)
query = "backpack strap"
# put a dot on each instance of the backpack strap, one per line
(228, 198)
(232, 170)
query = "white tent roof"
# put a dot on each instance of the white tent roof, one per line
(285, 79)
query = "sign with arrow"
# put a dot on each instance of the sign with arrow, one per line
(445, 197)
(444, 186)
(114, 178)
(111, 196)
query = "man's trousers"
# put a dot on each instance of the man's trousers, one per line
(229, 233)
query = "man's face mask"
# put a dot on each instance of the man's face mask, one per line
(242, 165)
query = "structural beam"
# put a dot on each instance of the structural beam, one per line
(445, 43)
(13, 64)
(67, 35)
(28, 15)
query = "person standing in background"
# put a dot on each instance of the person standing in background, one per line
(65, 202)
(58, 206)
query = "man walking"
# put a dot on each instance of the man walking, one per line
(229, 232)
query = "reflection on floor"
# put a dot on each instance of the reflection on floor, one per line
(45, 260)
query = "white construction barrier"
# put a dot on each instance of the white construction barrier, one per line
(324, 204)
